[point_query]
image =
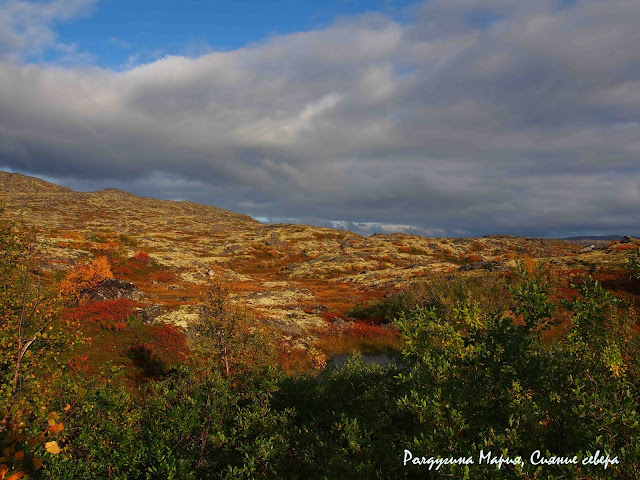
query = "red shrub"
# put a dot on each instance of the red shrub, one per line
(366, 330)
(163, 276)
(78, 364)
(109, 314)
(141, 257)
(121, 271)
(166, 342)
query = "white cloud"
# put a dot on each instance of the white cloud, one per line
(27, 28)
(441, 125)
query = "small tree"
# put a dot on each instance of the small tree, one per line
(223, 328)
(25, 310)
(532, 301)
(633, 265)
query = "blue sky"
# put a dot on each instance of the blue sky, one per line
(437, 117)
(119, 33)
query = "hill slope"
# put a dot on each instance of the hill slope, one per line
(295, 277)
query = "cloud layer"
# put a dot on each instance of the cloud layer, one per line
(469, 118)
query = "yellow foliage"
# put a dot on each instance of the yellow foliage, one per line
(52, 447)
(85, 278)
(318, 359)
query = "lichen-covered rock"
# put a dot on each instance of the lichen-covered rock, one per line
(152, 312)
(112, 289)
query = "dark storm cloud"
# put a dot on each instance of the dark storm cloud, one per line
(472, 117)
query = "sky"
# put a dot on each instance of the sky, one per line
(437, 118)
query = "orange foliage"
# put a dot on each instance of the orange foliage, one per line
(625, 246)
(109, 248)
(527, 263)
(84, 278)
(293, 362)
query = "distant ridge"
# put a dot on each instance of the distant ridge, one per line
(609, 238)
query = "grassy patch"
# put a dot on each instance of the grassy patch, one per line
(360, 337)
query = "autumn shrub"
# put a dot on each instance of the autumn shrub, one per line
(141, 257)
(163, 276)
(107, 314)
(85, 277)
(30, 344)
(367, 330)
(167, 342)
(624, 247)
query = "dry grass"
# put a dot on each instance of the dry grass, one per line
(359, 337)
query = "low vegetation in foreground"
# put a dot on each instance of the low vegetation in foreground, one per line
(509, 363)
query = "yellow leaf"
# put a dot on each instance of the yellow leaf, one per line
(3, 471)
(52, 447)
(51, 422)
(52, 415)
(57, 428)
(67, 407)
(37, 463)
(16, 476)
(18, 455)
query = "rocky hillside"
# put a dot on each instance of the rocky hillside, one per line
(294, 277)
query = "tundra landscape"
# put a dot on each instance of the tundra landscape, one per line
(219, 343)
(306, 282)
(320, 239)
